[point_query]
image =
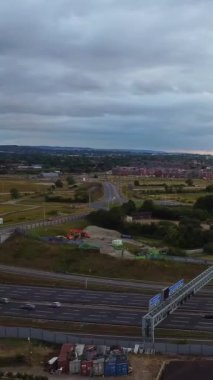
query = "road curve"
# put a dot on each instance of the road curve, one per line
(110, 196)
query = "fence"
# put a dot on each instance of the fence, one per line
(62, 337)
(5, 232)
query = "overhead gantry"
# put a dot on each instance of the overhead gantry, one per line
(160, 312)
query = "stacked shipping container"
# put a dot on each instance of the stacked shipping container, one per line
(66, 354)
(92, 360)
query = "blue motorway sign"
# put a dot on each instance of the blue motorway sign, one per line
(154, 301)
(174, 288)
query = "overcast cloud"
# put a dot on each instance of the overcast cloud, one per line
(107, 73)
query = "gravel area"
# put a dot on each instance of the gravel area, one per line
(102, 238)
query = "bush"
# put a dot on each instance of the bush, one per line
(208, 248)
(205, 203)
(176, 252)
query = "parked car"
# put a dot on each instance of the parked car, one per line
(28, 306)
(4, 300)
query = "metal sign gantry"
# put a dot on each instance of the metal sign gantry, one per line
(160, 312)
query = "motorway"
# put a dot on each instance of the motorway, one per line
(111, 308)
(191, 315)
(77, 305)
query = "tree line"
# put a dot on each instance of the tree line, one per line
(186, 234)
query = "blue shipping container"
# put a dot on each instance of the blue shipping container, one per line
(122, 369)
(110, 368)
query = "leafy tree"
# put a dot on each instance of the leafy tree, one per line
(148, 205)
(129, 207)
(15, 193)
(205, 203)
(208, 248)
(136, 182)
(209, 188)
(70, 180)
(189, 182)
(81, 195)
(108, 219)
(190, 235)
(59, 183)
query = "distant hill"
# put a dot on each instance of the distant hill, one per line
(44, 149)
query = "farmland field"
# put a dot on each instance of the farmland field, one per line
(31, 203)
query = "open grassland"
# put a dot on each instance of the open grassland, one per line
(187, 198)
(154, 188)
(29, 252)
(60, 229)
(31, 205)
(18, 213)
(154, 180)
(24, 185)
(22, 352)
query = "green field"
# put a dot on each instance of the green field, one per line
(187, 198)
(21, 352)
(152, 180)
(124, 183)
(32, 204)
(19, 213)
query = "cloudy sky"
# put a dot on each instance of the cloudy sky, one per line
(107, 73)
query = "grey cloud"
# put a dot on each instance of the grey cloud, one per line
(140, 69)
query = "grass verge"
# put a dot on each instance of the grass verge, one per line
(8, 278)
(33, 253)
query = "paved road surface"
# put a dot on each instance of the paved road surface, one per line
(74, 296)
(103, 307)
(77, 305)
(133, 284)
(111, 195)
(190, 316)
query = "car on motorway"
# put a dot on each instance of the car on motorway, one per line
(56, 304)
(28, 306)
(4, 300)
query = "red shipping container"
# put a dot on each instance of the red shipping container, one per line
(64, 356)
(86, 368)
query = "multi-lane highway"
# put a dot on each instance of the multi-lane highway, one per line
(103, 307)
(76, 305)
(193, 314)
